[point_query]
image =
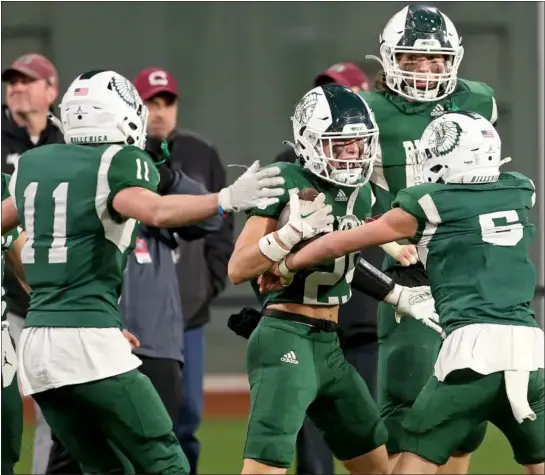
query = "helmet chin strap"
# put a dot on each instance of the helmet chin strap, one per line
(374, 58)
(56, 122)
(287, 142)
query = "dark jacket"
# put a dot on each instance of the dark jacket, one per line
(357, 317)
(202, 268)
(150, 301)
(15, 141)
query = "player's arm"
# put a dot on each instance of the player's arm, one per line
(133, 179)
(165, 211)
(10, 219)
(260, 245)
(396, 224)
(13, 257)
(248, 260)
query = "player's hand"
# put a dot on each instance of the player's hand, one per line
(416, 302)
(310, 218)
(133, 341)
(255, 188)
(406, 255)
(269, 282)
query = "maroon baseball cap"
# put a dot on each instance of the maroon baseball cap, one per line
(346, 74)
(153, 81)
(34, 66)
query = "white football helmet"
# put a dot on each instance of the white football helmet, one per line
(103, 107)
(420, 29)
(331, 113)
(460, 147)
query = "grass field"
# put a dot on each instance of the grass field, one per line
(223, 439)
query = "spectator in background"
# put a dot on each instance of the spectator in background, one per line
(32, 87)
(202, 265)
(357, 317)
(346, 74)
(150, 302)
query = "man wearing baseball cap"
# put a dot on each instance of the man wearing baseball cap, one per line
(357, 317)
(345, 74)
(202, 263)
(31, 89)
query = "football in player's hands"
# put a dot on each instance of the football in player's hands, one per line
(306, 194)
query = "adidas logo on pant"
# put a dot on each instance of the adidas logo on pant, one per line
(289, 357)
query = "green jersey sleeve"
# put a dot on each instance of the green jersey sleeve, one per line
(408, 202)
(526, 187)
(10, 237)
(5, 185)
(477, 97)
(130, 167)
(418, 202)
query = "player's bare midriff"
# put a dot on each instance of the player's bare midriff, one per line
(320, 312)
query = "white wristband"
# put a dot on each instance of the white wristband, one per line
(289, 236)
(283, 269)
(392, 248)
(271, 249)
(394, 295)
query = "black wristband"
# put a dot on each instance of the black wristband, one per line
(371, 281)
(166, 178)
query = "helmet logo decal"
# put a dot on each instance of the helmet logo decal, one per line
(305, 108)
(445, 137)
(126, 91)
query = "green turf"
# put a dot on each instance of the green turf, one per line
(223, 440)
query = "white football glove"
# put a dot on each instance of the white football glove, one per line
(255, 188)
(307, 219)
(416, 302)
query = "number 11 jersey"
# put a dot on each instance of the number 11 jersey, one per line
(474, 242)
(77, 244)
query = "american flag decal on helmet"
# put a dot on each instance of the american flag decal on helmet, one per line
(81, 91)
(488, 134)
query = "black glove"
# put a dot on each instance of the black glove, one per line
(244, 322)
(159, 150)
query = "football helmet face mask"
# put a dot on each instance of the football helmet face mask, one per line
(103, 107)
(335, 135)
(415, 31)
(460, 147)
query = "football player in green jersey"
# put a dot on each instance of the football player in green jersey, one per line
(420, 54)
(294, 360)
(79, 204)
(470, 223)
(12, 406)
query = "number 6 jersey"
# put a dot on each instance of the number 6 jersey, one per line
(329, 282)
(474, 242)
(77, 245)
